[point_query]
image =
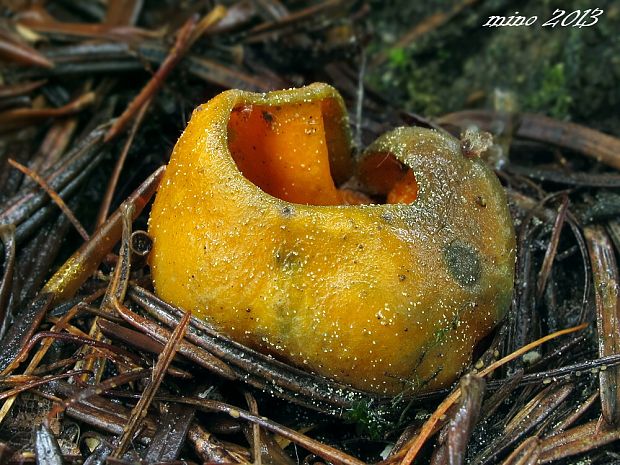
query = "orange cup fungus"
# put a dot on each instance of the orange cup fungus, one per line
(386, 288)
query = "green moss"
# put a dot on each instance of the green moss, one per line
(553, 97)
(398, 57)
(370, 421)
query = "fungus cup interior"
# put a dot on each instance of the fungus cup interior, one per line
(299, 152)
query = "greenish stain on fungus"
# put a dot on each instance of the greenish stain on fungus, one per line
(463, 263)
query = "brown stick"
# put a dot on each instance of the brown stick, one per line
(118, 167)
(20, 117)
(177, 52)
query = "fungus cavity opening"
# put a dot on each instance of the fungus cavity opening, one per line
(383, 175)
(299, 152)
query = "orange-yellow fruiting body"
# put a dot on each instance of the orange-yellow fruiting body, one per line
(384, 297)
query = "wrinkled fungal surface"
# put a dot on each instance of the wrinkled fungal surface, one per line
(252, 233)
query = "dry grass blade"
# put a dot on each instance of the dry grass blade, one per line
(573, 417)
(604, 148)
(13, 119)
(527, 453)
(11, 50)
(116, 289)
(20, 89)
(607, 297)
(225, 76)
(140, 410)
(80, 338)
(208, 22)
(193, 353)
(290, 20)
(56, 142)
(118, 166)
(535, 415)
(94, 409)
(36, 359)
(577, 441)
(22, 331)
(120, 278)
(59, 325)
(7, 236)
(26, 386)
(271, 447)
(97, 389)
(53, 195)
(129, 336)
(552, 249)
(43, 23)
(256, 436)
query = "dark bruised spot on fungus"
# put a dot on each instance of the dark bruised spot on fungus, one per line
(463, 263)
